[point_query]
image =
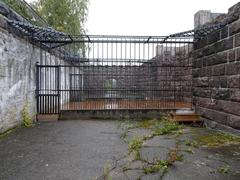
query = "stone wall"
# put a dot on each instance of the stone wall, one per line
(203, 17)
(17, 78)
(18, 60)
(216, 73)
(166, 76)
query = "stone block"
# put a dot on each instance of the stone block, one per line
(234, 121)
(198, 63)
(201, 43)
(201, 92)
(233, 81)
(197, 54)
(214, 37)
(218, 82)
(208, 50)
(235, 95)
(231, 55)
(230, 107)
(224, 32)
(196, 73)
(233, 68)
(218, 70)
(202, 82)
(234, 27)
(221, 93)
(237, 54)
(206, 71)
(213, 115)
(218, 58)
(237, 40)
(203, 102)
(223, 45)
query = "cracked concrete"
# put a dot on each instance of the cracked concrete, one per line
(81, 150)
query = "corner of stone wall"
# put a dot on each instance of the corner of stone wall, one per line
(216, 72)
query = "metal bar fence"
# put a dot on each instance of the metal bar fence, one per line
(115, 72)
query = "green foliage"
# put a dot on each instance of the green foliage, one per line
(224, 170)
(66, 16)
(218, 139)
(159, 166)
(106, 172)
(135, 146)
(174, 156)
(167, 128)
(179, 158)
(147, 124)
(27, 120)
(192, 143)
(22, 10)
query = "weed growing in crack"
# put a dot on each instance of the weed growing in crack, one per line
(224, 170)
(156, 167)
(174, 156)
(134, 146)
(124, 169)
(167, 128)
(192, 143)
(189, 150)
(106, 172)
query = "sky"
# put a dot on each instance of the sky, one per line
(147, 17)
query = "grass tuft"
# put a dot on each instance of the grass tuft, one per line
(167, 128)
(134, 146)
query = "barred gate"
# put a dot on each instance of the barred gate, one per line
(114, 72)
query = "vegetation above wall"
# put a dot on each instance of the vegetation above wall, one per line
(66, 16)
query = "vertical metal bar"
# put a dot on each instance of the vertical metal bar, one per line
(58, 89)
(37, 89)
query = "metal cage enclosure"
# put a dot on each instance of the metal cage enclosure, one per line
(114, 72)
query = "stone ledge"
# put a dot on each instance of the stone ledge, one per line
(217, 126)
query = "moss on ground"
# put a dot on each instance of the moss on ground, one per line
(217, 139)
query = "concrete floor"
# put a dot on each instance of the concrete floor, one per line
(61, 150)
(81, 150)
